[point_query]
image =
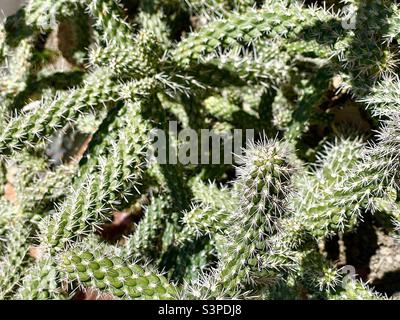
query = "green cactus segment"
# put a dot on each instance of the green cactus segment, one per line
(14, 258)
(263, 186)
(145, 241)
(110, 21)
(356, 290)
(53, 114)
(140, 59)
(36, 184)
(323, 205)
(221, 5)
(155, 23)
(92, 92)
(113, 275)
(93, 196)
(205, 220)
(17, 69)
(365, 56)
(45, 14)
(40, 282)
(273, 20)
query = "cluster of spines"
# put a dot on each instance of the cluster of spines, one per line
(51, 115)
(35, 184)
(263, 186)
(41, 282)
(321, 198)
(16, 70)
(45, 15)
(94, 195)
(15, 253)
(110, 21)
(272, 20)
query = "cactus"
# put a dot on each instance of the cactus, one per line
(146, 239)
(40, 282)
(322, 198)
(85, 84)
(263, 186)
(114, 275)
(356, 290)
(13, 263)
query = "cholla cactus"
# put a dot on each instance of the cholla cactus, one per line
(83, 85)
(14, 261)
(263, 186)
(356, 290)
(45, 14)
(322, 201)
(114, 275)
(146, 239)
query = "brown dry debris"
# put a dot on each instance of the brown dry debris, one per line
(9, 193)
(35, 252)
(122, 223)
(92, 294)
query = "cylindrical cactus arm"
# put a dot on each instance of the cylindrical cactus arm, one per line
(45, 14)
(205, 220)
(356, 290)
(378, 171)
(41, 282)
(321, 205)
(146, 239)
(138, 59)
(154, 23)
(275, 19)
(50, 115)
(9, 214)
(110, 21)
(16, 70)
(207, 287)
(264, 65)
(210, 194)
(14, 257)
(94, 195)
(112, 274)
(21, 59)
(393, 29)
(36, 184)
(312, 95)
(220, 6)
(366, 55)
(263, 187)
(383, 98)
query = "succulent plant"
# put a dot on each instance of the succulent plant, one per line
(84, 87)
